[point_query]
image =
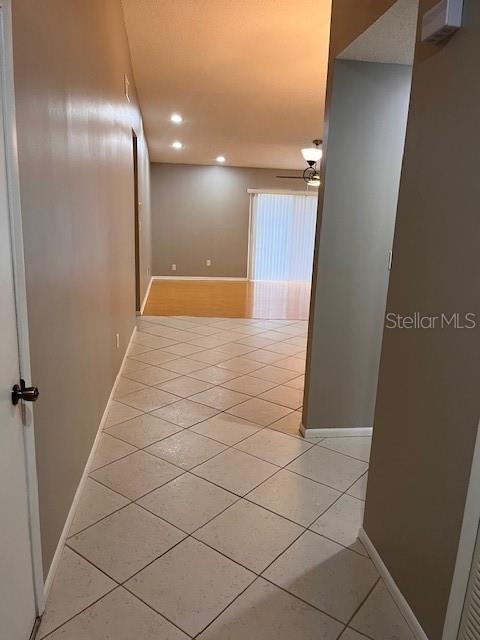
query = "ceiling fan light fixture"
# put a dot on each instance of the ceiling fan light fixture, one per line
(312, 154)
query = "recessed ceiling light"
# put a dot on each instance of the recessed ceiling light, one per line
(176, 118)
(220, 158)
(177, 145)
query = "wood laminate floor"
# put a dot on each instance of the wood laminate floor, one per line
(229, 299)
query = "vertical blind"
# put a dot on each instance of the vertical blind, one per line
(282, 237)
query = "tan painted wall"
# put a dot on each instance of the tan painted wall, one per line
(201, 212)
(428, 404)
(76, 175)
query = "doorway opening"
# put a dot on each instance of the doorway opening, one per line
(136, 214)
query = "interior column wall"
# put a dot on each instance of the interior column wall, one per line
(368, 113)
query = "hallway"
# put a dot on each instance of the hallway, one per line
(204, 505)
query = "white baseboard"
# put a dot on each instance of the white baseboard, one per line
(391, 585)
(68, 522)
(335, 432)
(145, 298)
(199, 278)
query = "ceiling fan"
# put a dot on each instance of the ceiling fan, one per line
(311, 175)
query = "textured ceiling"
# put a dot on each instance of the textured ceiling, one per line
(391, 39)
(248, 76)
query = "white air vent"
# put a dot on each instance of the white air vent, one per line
(470, 626)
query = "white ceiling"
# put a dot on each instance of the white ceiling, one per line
(391, 39)
(248, 77)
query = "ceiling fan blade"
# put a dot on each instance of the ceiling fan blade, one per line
(291, 177)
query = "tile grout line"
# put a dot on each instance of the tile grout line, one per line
(154, 610)
(362, 603)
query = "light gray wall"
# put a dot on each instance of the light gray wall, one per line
(428, 401)
(368, 115)
(201, 212)
(76, 179)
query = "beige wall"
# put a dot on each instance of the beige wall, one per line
(201, 212)
(428, 405)
(76, 175)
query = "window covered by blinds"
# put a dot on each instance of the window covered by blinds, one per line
(282, 237)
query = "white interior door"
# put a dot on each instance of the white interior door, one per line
(18, 608)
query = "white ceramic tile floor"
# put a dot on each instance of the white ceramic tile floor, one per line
(294, 497)
(285, 396)
(119, 616)
(191, 585)
(126, 386)
(317, 570)
(265, 612)
(250, 535)
(341, 522)
(259, 411)
(359, 488)
(220, 398)
(380, 619)
(188, 502)
(96, 502)
(185, 413)
(143, 430)
(108, 450)
(272, 446)
(194, 521)
(186, 449)
(226, 429)
(126, 541)
(351, 634)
